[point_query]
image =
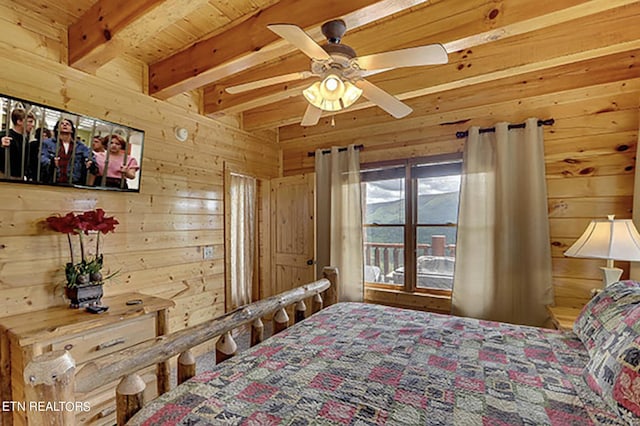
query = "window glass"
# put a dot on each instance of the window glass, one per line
(384, 219)
(384, 254)
(384, 197)
(438, 199)
(435, 257)
(434, 196)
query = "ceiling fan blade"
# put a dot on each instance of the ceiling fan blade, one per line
(311, 116)
(296, 36)
(384, 100)
(431, 54)
(268, 82)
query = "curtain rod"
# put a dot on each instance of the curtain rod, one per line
(328, 151)
(548, 122)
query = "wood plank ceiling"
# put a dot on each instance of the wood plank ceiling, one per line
(207, 45)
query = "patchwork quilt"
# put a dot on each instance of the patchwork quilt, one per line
(362, 364)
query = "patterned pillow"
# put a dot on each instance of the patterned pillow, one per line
(604, 313)
(614, 369)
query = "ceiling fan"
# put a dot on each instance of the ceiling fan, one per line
(341, 72)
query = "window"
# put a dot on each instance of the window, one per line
(410, 223)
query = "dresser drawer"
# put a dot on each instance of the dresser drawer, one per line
(102, 400)
(87, 338)
(88, 346)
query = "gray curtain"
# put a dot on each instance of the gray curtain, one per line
(503, 251)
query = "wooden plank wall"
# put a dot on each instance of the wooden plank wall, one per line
(589, 152)
(158, 245)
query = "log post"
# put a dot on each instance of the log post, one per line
(186, 366)
(129, 397)
(108, 368)
(280, 321)
(162, 368)
(331, 295)
(49, 378)
(257, 332)
(301, 311)
(225, 347)
(316, 303)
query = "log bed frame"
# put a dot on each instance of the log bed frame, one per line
(51, 377)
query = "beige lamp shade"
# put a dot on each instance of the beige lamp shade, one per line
(608, 239)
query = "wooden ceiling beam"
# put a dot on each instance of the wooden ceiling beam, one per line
(575, 76)
(431, 19)
(109, 28)
(251, 43)
(606, 32)
(461, 24)
(454, 116)
(216, 101)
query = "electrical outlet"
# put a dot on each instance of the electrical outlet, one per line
(207, 252)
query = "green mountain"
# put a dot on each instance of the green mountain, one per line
(432, 209)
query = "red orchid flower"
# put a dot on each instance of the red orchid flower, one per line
(68, 224)
(95, 220)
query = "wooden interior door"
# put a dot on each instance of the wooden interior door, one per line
(292, 233)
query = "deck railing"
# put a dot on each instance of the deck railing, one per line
(390, 256)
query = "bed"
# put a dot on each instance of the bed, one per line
(363, 364)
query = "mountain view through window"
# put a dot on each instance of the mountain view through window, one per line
(423, 240)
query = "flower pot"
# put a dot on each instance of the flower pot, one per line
(83, 279)
(82, 296)
(96, 278)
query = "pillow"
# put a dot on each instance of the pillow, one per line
(614, 369)
(605, 312)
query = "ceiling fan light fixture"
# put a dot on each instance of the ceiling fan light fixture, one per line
(351, 94)
(341, 67)
(332, 88)
(332, 94)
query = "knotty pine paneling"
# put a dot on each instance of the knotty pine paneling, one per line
(589, 151)
(158, 245)
(40, 35)
(590, 207)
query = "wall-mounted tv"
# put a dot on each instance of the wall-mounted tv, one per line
(47, 146)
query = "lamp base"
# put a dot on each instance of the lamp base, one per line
(610, 275)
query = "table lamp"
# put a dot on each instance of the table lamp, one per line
(608, 239)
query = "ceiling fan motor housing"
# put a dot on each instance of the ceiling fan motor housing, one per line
(341, 56)
(339, 49)
(334, 30)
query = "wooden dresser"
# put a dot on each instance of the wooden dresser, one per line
(87, 337)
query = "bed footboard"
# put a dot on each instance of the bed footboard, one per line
(50, 378)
